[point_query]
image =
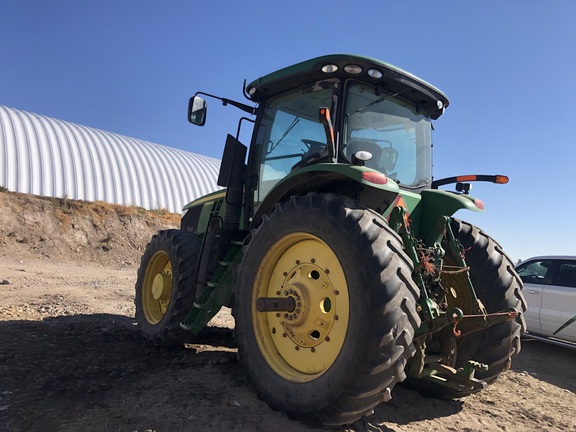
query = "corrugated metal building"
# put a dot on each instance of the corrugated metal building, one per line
(49, 157)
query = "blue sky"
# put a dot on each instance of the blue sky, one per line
(508, 68)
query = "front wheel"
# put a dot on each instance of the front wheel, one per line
(165, 289)
(341, 336)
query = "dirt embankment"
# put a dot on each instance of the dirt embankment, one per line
(72, 359)
(69, 230)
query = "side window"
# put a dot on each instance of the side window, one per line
(289, 132)
(566, 274)
(535, 272)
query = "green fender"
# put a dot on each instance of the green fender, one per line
(435, 203)
(362, 184)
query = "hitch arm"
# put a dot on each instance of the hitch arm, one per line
(463, 325)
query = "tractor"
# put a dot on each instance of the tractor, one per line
(335, 249)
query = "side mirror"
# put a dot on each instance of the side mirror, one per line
(197, 111)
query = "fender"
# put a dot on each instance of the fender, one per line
(196, 214)
(367, 186)
(435, 203)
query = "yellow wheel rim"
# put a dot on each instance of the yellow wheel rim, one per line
(302, 344)
(157, 287)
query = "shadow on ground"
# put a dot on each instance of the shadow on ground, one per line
(95, 372)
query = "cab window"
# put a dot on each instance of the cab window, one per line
(397, 136)
(290, 131)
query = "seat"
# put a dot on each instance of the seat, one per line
(366, 145)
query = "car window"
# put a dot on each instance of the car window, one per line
(535, 272)
(565, 275)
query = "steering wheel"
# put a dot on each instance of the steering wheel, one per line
(313, 146)
(313, 149)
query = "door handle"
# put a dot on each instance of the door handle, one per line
(533, 291)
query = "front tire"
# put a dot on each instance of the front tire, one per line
(165, 289)
(342, 349)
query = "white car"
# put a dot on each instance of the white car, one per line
(550, 291)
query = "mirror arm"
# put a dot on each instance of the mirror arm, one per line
(243, 107)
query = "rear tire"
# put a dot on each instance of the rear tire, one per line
(165, 289)
(340, 352)
(498, 287)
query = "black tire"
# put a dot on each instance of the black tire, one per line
(498, 287)
(335, 370)
(165, 289)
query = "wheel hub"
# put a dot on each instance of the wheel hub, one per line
(162, 285)
(302, 306)
(310, 322)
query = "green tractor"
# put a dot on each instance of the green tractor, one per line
(341, 260)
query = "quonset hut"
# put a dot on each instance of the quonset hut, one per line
(44, 156)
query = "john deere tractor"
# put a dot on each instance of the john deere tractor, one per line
(335, 248)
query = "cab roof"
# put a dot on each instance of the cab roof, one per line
(391, 78)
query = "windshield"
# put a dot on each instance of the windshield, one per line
(398, 138)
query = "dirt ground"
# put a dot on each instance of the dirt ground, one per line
(72, 359)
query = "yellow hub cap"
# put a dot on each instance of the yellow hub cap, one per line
(157, 287)
(301, 344)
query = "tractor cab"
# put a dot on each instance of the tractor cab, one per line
(337, 109)
(371, 128)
